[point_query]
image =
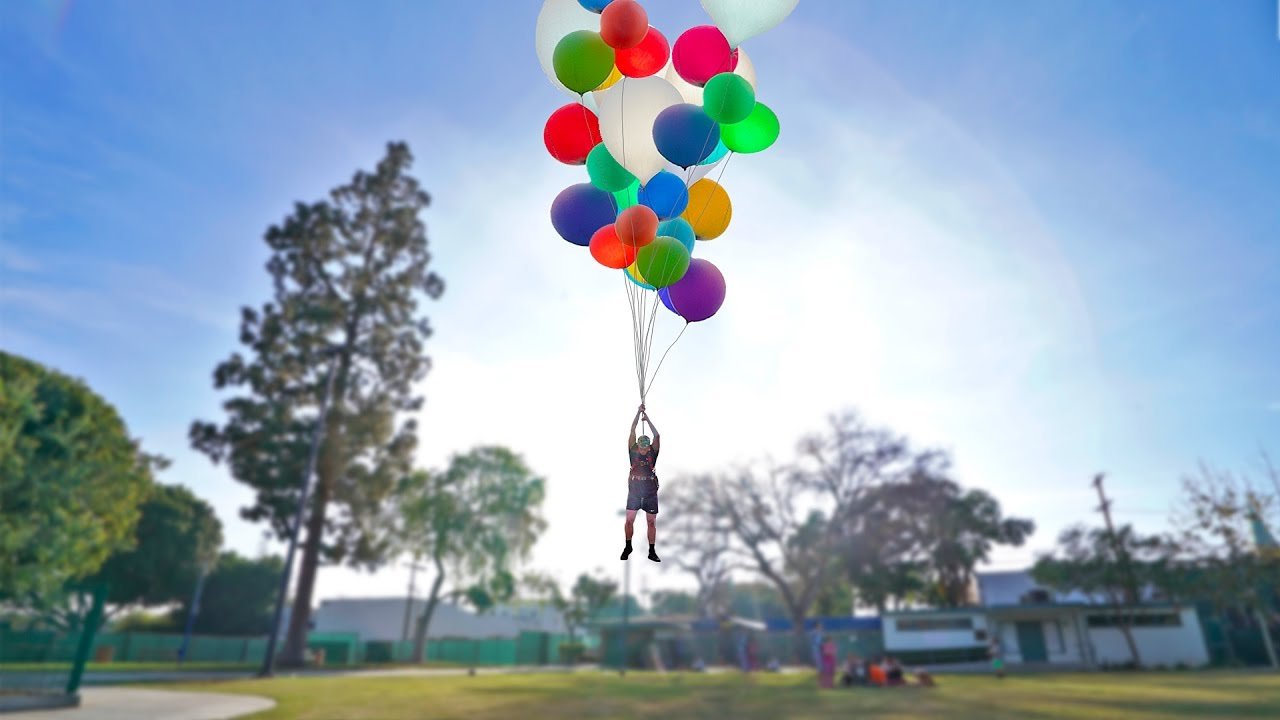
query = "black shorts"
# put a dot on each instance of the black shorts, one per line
(642, 495)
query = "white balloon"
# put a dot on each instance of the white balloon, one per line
(557, 19)
(741, 20)
(693, 94)
(627, 112)
(695, 173)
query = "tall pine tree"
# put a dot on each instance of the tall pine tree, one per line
(349, 274)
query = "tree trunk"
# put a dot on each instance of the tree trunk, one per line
(1126, 629)
(296, 641)
(424, 621)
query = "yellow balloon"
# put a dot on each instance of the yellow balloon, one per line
(634, 272)
(614, 76)
(709, 209)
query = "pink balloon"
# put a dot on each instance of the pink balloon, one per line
(701, 53)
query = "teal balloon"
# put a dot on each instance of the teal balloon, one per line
(720, 151)
(728, 98)
(680, 229)
(605, 172)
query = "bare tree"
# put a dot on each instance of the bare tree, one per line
(789, 522)
(699, 540)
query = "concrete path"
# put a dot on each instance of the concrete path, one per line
(118, 703)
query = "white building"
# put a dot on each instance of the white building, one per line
(386, 619)
(1037, 626)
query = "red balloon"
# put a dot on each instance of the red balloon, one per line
(701, 53)
(644, 59)
(623, 24)
(570, 134)
(609, 251)
(637, 226)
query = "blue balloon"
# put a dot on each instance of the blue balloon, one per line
(680, 229)
(595, 6)
(685, 135)
(665, 194)
(720, 151)
(665, 295)
(580, 210)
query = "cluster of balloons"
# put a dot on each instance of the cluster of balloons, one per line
(650, 120)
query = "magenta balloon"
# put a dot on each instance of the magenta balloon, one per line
(699, 294)
(701, 53)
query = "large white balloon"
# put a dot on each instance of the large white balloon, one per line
(741, 20)
(627, 112)
(557, 19)
(695, 173)
(693, 94)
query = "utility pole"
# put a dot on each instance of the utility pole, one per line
(414, 567)
(1122, 558)
(317, 438)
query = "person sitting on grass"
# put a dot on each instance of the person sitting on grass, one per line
(855, 671)
(893, 672)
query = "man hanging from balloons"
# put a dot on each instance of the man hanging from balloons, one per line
(650, 121)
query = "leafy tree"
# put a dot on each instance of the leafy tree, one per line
(475, 519)
(349, 273)
(238, 597)
(588, 597)
(1216, 543)
(1088, 560)
(178, 537)
(674, 602)
(71, 480)
(759, 600)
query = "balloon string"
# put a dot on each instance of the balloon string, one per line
(664, 356)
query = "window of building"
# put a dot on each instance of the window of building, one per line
(1151, 619)
(927, 624)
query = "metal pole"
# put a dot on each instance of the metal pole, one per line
(193, 612)
(269, 660)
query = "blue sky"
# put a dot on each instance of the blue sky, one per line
(1045, 236)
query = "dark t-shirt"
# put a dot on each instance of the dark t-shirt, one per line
(642, 463)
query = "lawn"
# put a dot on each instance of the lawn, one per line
(730, 696)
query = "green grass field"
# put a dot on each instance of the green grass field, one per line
(730, 696)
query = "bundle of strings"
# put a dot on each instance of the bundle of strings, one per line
(644, 311)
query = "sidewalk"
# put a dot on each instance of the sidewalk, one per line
(101, 703)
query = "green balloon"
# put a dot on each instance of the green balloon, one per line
(582, 60)
(663, 262)
(754, 134)
(628, 196)
(605, 172)
(728, 98)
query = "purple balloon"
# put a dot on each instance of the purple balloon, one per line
(580, 210)
(698, 295)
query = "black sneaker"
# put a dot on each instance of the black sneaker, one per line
(626, 552)
(653, 555)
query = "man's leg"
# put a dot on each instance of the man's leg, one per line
(653, 535)
(628, 527)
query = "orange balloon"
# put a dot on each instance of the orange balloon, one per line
(623, 24)
(609, 251)
(709, 209)
(637, 226)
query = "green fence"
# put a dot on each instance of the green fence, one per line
(340, 649)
